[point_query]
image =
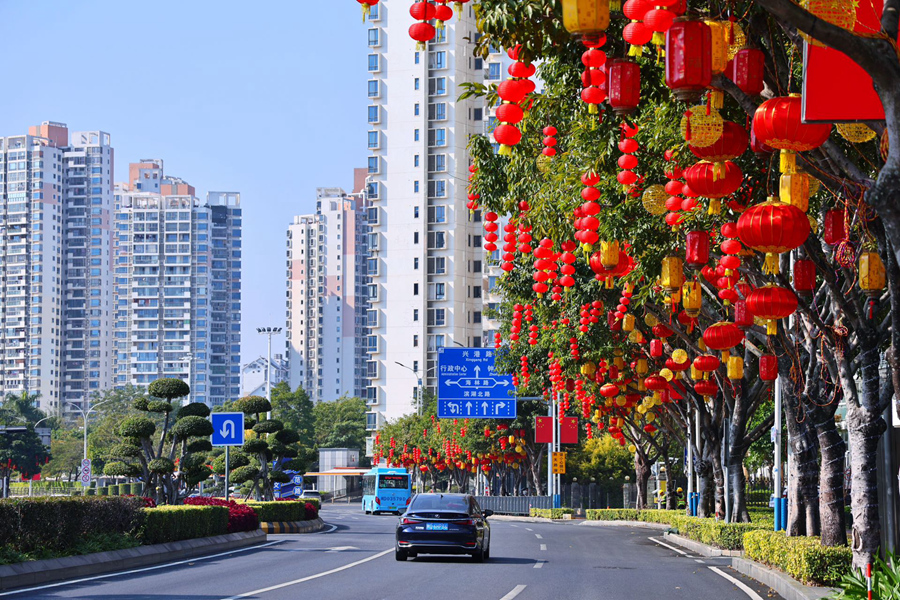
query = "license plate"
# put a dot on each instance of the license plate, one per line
(435, 527)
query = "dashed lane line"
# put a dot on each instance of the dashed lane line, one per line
(539, 564)
(515, 592)
(740, 584)
(543, 546)
(538, 536)
(656, 541)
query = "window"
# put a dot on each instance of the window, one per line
(437, 188)
(476, 266)
(477, 114)
(476, 241)
(479, 64)
(435, 342)
(476, 317)
(437, 240)
(373, 63)
(493, 71)
(417, 57)
(440, 36)
(374, 114)
(416, 135)
(374, 163)
(437, 86)
(373, 37)
(415, 187)
(374, 13)
(476, 291)
(437, 317)
(416, 263)
(437, 138)
(437, 291)
(415, 341)
(416, 109)
(415, 289)
(437, 214)
(372, 189)
(372, 215)
(415, 314)
(437, 163)
(415, 237)
(416, 160)
(374, 140)
(437, 266)
(415, 212)
(416, 83)
(437, 60)
(437, 111)
(373, 88)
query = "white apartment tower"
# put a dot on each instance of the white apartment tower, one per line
(426, 263)
(326, 295)
(55, 272)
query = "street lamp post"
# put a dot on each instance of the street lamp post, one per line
(418, 387)
(269, 332)
(85, 414)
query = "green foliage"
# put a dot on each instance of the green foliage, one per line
(169, 389)
(118, 468)
(269, 426)
(252, 405)
(551, 513)
(137, 427)
(885, 581)
(56, 524)
(295, 410)
(341, 424)
(22, 452)
(199, 446)
(255, 446)
(279, 477)
(141, 403)
(192, 426)
(161, 466)
(287, 436)
(245, 473)
(235, 461)
(803, 558)
(194, 409)
(159, 406)
(603, 459)
(174, 523)
(287, 511)
(126, 451)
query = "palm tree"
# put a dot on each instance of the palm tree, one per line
(21, 408)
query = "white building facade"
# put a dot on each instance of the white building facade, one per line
(427, 263)
(326, 295)
(253, 374)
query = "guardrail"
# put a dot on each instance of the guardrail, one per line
(514, 505)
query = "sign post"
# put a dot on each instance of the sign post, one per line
(470, 388)
(86, 473)
(228, 431)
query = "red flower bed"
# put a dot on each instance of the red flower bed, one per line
(148, 502)
(240, 516)
(311, 511)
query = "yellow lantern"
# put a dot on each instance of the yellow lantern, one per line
(856, 133)
(650, 320)
(618, 361)
(588, 369)
(632, 448)
(794, 189)
(667, 374)
(620, 401)
(735, 367)
(651, 417)
(585, 17)
(719, 47)
(636, 337)
(641, 366)
(628, 322)
(871, 274)
(736, 38)
(512, 439)
(705, 129)
(672, 277)
(654, 200)
(692, 298)
(680, 356)
(841, 13)
(620, 422)
(515, 465)
(609, 254)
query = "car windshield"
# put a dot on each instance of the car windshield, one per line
(440, 502)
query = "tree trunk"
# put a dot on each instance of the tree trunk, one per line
(705, 488)
(671, 490)
(719, 478)
(803, 483)
(831, 483)
(642, 478)
(865, 433)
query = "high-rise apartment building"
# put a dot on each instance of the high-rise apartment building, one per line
(177, 285)
(427, 265)
(326, 295)
(55, 278)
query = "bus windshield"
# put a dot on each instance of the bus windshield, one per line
(393, 482)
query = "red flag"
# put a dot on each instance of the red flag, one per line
(543, 430)
(568, 430)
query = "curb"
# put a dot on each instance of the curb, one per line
(786, 586)
(38, 572)
(311, 526)
(645, 525)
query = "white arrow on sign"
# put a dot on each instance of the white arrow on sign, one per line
(484, 407)
(469, 406)
(498, 406)
(227, 426)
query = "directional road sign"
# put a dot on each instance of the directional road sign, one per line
(228, 429)
(468, 386)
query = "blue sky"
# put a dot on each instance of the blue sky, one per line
(263, 98)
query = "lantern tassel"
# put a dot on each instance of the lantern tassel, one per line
(365, 11)
(718, 170)
(635, 51)
(771, 327)
(505, 150)
(771, 266)
(459, 7)
(687, 127)
(592, 108)
(659, 38)
(788, 162)
(715, 207)
(439, 25)
(615, 5)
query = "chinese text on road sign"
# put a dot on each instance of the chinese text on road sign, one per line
(468, 386)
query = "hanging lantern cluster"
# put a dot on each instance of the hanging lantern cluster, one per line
(473, 195)
(442, 14)
(568, 267)
(586, 221)
(515, 327)
(422, 31)
(513, 92)
(628, 146)
(549, 141)
(590, 315)
(637, 33)
(545, 266)
(674, 187)
(490, 228)
(594, 77)
(509, 247)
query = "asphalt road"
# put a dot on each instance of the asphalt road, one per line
(353, 559)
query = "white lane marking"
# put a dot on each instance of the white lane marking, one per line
(702, 562)
(511, 525)
(654, 540)
(543, 546)
(310, 577)
(143, 570)
(529, 529)
(539, 564)
(333, 527)
(740, 584)
(538, 536)
(515, 592)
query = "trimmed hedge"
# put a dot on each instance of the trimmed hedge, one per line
(632, 514)
(551, 513)
(174, 523)
(279, 511)
(803, 558)
(240, 516)
(57, 524)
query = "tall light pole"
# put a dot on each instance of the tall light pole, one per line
(269, 331)
(85, 414)
(418, 387)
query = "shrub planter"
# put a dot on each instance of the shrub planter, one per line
(311, 526)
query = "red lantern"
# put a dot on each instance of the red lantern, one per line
(655, 383)
(723, 336)
(804, 277)
(696, 249)
(703, 180)
(656, 348)
(778, 123)
(835, 227)
(747, 70)
(624, 86)
(688, 58)
(773, 227)
(768, 367)
(730, 145)
(771, 303)
(706, 363)
(706, 387)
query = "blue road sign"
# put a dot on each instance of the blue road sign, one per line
(469, 387)
(228, 429)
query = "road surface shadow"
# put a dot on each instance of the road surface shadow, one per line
(451, 558)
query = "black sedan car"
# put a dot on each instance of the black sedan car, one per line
(444, 524)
